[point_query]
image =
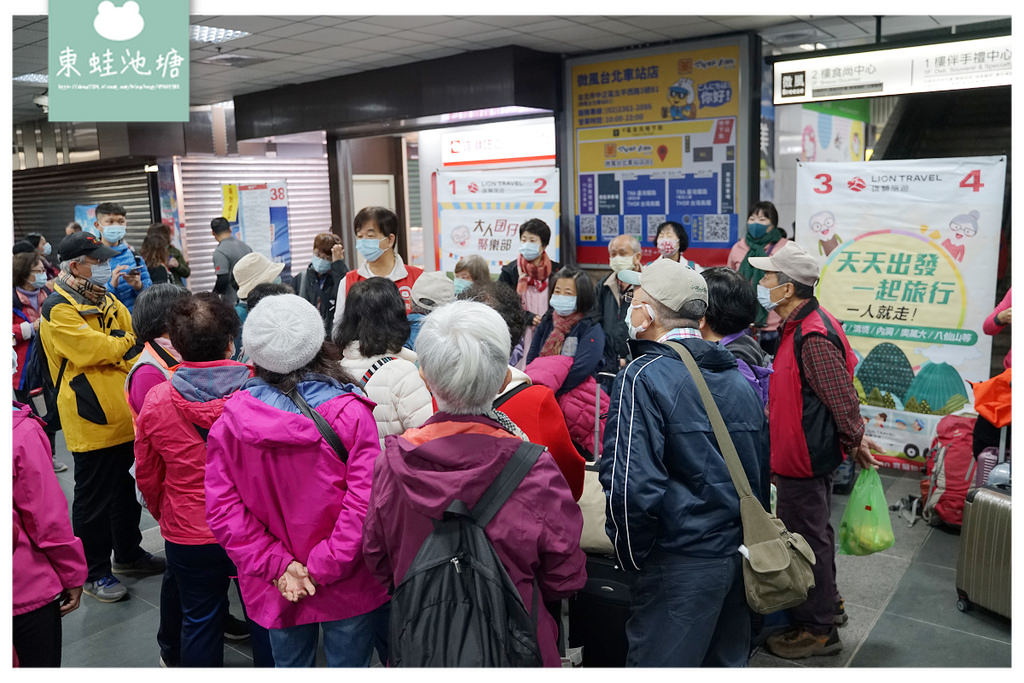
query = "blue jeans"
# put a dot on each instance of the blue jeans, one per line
(347, 642)
(203, 574)
(689, 611)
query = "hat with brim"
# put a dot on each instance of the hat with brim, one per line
(672, 283)
(83, 244)
(791, 260)
(254, 269)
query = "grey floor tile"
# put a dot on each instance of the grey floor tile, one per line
(927, 593)
(901, 642)
(862, 620)
(131, 644)
(869, 580)
(763, 660)
(941, 548)
(93, 617)
(144, 588)
(235, 656)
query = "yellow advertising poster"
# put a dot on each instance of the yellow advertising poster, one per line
(230, 211)
(655, 140)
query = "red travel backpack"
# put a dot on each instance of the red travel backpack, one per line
(951, 468)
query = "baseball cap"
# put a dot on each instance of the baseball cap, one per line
(792, 260)
(83, 244)
(432, 290)
(669, 282)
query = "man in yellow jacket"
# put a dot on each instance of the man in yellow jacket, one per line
(90, 347)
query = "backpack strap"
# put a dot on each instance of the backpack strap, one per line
(326, 430)
(506, 482)
(498, 402)
(377, 365)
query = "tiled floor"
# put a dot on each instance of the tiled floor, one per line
(901, 604)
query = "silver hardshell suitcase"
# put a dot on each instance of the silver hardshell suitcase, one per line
(983, 568)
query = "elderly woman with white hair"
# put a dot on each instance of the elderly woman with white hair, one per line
(463, 351)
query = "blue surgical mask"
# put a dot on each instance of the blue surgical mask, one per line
(39, 279)
(321, 265)
(764, 297)
(47, 249)
(462, 285)
(369, 248)
(100, 274)
(529, 250)
(114, 233)
(756, 230)
(563, 304)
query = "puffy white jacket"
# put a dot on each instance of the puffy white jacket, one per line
(396, 387)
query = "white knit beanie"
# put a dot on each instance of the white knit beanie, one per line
(283, 333)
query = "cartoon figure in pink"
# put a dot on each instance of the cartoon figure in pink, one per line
(809, 144)
(963, 226)
(824, 224)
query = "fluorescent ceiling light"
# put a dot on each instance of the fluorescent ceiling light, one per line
(34, 79)
(214, 34)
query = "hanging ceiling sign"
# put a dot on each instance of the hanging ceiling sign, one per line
(533, 141)
(981, 63)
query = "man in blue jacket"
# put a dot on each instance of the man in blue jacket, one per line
(129, 275)
(673, 513)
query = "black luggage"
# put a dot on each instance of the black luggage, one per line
(598, 613)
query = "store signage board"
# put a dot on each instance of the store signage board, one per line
(118, 61)
(981, 63)
(258, 214)
(533, 142)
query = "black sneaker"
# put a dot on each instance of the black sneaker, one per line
(147, 565)
(839, 615)
(235, 628)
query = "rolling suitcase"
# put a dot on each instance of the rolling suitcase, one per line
(983, 567)
(598, 613)
(989, 458)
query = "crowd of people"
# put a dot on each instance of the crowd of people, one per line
(304, 439)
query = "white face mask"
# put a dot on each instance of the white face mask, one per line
(618, 263)
(634, 331)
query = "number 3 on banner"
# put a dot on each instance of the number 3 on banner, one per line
(826, 183)
(973, 181)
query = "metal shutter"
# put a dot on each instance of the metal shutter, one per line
(44, 198)
(309, 204)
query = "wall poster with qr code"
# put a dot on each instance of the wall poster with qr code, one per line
(657, 137)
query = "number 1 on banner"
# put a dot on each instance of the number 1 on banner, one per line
(973, 181)
(451, 184)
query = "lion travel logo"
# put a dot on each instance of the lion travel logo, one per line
(118, 60)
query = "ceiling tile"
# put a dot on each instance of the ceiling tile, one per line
(454, 28)
(379, 43)
(294, 29)
(406, 22)
(372, 29)
(508, 21)
(293, 46)
(250, 24)
(337, 35)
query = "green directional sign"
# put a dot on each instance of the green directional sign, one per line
(120, 60)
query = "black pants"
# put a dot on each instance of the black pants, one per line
(37, 635)
(105, 513)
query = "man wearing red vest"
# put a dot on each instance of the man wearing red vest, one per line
(814, 420)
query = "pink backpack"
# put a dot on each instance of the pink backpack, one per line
(951, 470)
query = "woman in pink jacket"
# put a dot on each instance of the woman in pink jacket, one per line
(286, 506)
(49, 563)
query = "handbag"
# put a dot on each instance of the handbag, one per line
(592, 505)
(777, 563)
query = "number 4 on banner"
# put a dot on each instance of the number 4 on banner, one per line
(973, 181)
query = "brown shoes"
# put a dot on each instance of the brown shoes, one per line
(799, 643)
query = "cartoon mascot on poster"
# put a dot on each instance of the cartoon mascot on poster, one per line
(680, 99)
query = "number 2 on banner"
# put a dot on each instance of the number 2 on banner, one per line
(541, 185)
(826, 183)
(973, 181)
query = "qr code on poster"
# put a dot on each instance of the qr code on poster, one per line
(633, 225)
(715, 228)
(653, 221)
(609, 227)
(588, 228)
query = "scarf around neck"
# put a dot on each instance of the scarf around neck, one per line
(84, 289)
(561, 328)
(532, 274)
(758, 246)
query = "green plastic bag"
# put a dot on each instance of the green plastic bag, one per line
(866, 527)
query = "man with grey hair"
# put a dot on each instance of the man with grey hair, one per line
(673, 512)
(463, 350)
(90, 346)
(623, 255)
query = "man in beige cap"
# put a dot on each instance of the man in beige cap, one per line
(673, 513)
(815, 424)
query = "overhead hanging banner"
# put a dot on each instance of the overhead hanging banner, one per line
(479, 212)
(655, 139)
(907, 251)
(258, 213)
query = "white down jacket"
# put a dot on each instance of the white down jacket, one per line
(396, 387)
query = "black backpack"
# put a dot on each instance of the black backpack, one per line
(457, 606)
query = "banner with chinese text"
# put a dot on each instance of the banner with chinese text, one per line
(118, 62)
(479, 212)
(258, 214)
(655, 139)
(907, 251)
